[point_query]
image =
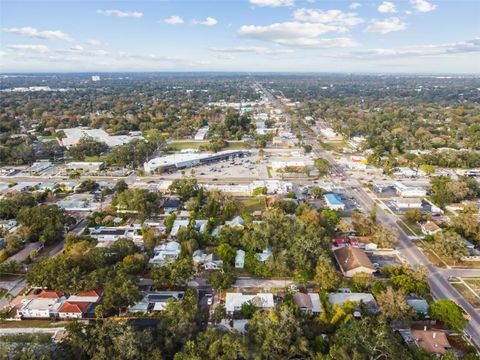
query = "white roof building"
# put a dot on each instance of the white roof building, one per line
(74, 135)
(234, 301)
(165, 253)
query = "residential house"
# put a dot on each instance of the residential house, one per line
(165, 253)
(212, 262)
(309, 302)
(419, 305)
(240, 259)
(234, 301)
(74, 309)
(155, 301)
(236, 222)
(367, 299)
(171, 204)
(430, 228)
(353, 260)
(264, 255)
(433, 341)
(44, 306)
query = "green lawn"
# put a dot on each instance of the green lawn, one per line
(32, 323)
(251, 204)
(467, 294)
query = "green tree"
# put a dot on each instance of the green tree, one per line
(448, 312)
(326, 276)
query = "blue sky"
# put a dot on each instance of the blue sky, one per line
(241, 35)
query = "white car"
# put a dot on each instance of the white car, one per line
(209, 299)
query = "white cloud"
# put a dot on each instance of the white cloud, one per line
(355, 5)
(76, 48)
(423, 5)
(272, 3)
(173, 20)
(469, 46)
(120, 13)
(35, 33)
(386, 26)
(296, 34)
(93, 42)
(41, 49)
(209, 21)
(336, 18)
(252, 50)
(387, 7)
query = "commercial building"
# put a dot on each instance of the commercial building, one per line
(74, 135)
(407, 203)
(186, 160)
(407, 191)
(85, 165)
(201, 133)
(334, 202)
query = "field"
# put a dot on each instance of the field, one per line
(251, 204)
(467, 294)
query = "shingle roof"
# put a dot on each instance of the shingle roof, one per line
(433, 341)
(350, 258)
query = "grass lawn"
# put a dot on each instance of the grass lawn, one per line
(31, 323)
(474, 283)
(251, 204)
(95, 158)
(405, 228)
(467, 294)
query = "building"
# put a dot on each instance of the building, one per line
(92, 296)
(95, 78)
(39, 166)
(341, 298)
(8, 225)
(430, 228)
(352, 260)
(236, 222)
(155, 301)
(74, 310)
(409, 192)
(234, 301)
(44, 306)
(191, 159)
(407, 203)
(79, 202)
(419, 305)
(106, 235)
(309, 303)
(334, 202)
(240, 259)
(264, 255)
(85, 165)
(201, 133)
(433, 341)
(165, 253)
(74, 135)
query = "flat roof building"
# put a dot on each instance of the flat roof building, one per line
(334, 202)
(74, 135)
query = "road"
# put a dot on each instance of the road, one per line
(438, 278)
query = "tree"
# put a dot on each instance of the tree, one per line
(227, 253)
(222, 280)
(120, 292)
(449, 244)
(326, 276)
(218, 314)
(393, 305)
(277, 334)
(45, 223)
(144, 202)
(378, 287)
(259, 191)
(87, 186)
(385, 236)
(413, 216)
(448, 312)
(316, 192)
(120, 186)
(323, 166)
(360, 281)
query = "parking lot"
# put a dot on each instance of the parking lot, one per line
(383, 259)
(239, 167)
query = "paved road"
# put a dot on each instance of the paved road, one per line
(261, 283)
(438, 278)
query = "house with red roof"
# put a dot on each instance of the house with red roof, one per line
(74, 310)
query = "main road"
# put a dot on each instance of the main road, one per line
(438, 278)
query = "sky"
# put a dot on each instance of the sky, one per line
(398, 36)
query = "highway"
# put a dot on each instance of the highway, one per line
(438, 278)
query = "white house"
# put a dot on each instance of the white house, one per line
(234, 301)
(407, 203)
(409, 192)
(165, 253)
(240, 259)
(309, 303)
(236, 222)
(430, 228)
(44, 306)
(264, 255)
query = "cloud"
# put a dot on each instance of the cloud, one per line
(386, 26)
(209, 21)
(469, 46)
(423, 5)
(35, 33)
(93, 42)
(295, 34)
(120, 13)
(41, 49)
(272, 3)
(252, 50)
(355, 5)
(173, 20)
(387, 7)
(336, 18)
